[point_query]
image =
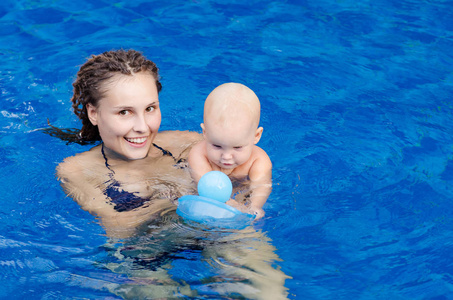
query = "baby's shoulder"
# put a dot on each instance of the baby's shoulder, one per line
(259, 154)
(261, 166)
(200, 146)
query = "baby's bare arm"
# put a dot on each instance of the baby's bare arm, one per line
(198, 161)
(260, 175)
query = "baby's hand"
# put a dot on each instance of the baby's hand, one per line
(258, 212)
(235, 204)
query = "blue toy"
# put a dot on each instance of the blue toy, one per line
(215, 185)
(214, 189)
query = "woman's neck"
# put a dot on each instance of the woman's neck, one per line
(113, 158)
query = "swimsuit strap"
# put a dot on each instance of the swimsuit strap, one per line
(165, 152)
(105, 160)
(168, 153)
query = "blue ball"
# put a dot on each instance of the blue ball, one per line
(215, 185)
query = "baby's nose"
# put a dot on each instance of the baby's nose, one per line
(226, 155)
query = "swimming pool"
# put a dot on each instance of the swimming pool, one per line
(357, 116)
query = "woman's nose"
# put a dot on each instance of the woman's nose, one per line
(140, 124)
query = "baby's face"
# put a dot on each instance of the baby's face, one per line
(229, 146)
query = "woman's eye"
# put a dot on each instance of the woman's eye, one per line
(124, 112)
(150, 108)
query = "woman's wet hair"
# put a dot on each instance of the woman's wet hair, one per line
(91, 85)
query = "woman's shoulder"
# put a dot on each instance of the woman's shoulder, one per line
(177, 142)
(180, 136)
(74, 165)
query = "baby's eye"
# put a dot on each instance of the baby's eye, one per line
(216, 146)
(238, 147)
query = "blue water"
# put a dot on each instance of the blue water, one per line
(357, 113)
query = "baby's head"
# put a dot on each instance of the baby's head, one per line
(231, 119)
(230, 104)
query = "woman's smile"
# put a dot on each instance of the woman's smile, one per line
(137, 142)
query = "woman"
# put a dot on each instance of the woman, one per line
(134, 176)
(135, 173)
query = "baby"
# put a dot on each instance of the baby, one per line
(231, 132)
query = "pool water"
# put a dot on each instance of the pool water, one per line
(357, 113)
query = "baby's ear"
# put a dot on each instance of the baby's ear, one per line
(258, 134)
(92, 114)
(202, 128)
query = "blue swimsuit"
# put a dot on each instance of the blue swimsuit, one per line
(124, 200)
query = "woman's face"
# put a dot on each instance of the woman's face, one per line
(128, 116)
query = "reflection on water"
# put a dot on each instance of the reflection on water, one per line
(173, 258)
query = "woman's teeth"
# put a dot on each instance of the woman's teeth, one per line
(136, 140)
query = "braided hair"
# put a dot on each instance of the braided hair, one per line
(88, 86)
